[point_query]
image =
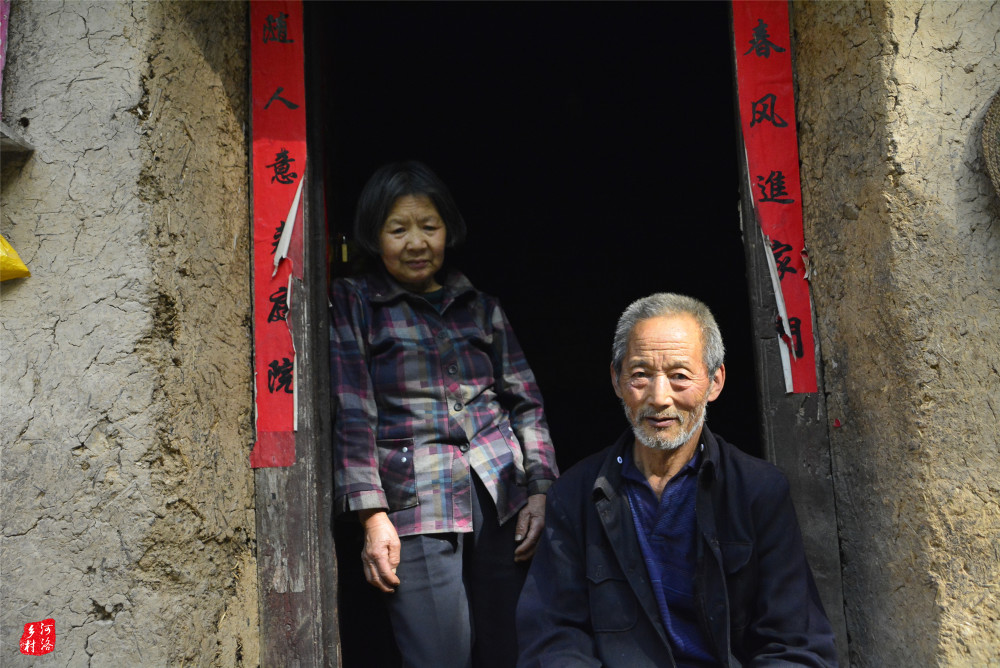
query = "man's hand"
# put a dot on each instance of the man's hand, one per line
(380, 555)
(530, 522)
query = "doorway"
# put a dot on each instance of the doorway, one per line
(592, 150)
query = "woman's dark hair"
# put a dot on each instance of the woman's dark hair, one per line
(388, 184)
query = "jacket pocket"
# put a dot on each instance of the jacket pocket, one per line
(613, 606)
(395, 468)
(740, 580)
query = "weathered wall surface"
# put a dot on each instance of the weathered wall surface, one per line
(126, 495)
(903, 229)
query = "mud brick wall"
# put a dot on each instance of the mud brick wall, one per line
(903, 230)
(126, 495)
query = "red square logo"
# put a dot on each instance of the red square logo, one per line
(39, 637)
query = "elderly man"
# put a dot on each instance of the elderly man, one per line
(671, 547)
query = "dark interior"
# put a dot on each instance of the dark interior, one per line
(591, 148)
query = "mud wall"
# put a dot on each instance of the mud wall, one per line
(903, 231)
(126, 386)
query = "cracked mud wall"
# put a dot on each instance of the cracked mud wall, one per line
(903, 229)
(126, 495)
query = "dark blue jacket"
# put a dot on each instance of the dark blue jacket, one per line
(588, 601)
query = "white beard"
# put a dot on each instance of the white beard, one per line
(656, 442)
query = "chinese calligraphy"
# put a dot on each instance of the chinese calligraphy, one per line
(38, 637)
(761, 43)
(781, 260)
(280, 157)
(763, 110)
(766, 93)
(277, 96)
(277, 237)
(773, 188)
(279, 305)
(282, 168)
(279, 376)
(793, 336)
(276, 29)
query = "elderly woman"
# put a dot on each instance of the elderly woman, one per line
(441, 445)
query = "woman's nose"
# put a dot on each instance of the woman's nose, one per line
(415, 240)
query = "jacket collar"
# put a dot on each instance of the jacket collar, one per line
(385, 289)
(609, 477)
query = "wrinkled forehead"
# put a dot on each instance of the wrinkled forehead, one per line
(670, 336)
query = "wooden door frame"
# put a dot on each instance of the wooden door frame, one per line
(794, 427)
(294, 505)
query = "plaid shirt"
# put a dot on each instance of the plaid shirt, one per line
(424, 398)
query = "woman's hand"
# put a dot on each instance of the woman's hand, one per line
(380, 556)
(530, 522)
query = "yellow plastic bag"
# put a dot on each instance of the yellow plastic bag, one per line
(11, 265)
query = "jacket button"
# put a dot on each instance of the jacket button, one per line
(452, 369)
(458, 405)
(464, 447)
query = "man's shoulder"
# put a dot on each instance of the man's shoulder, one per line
(744, 470)
(580, 477)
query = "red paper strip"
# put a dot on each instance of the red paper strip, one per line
(4, 22)
(278, 163)
(767, 119)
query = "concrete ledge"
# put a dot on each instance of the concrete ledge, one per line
(12, 142)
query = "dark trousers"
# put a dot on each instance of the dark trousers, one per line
(455, 603)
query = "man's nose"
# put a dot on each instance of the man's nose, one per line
(661, 394)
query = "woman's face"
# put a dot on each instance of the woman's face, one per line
(412, 243)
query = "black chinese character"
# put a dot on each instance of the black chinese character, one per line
(781, 260)
(794, 333)
(773, 188)
(279, 376)
(276, 29)
(282, 165)
(279, 305)
(760, 42)
(795, 329)
(277, 96)
(763, 110)
(277, 237)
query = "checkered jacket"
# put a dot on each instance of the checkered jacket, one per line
(424, 398)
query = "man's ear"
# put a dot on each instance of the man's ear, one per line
(718, 380)
(614, 381)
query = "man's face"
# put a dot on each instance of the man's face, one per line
(664, 385)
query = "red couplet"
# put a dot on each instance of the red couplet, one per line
(767, 119)
(278, 165)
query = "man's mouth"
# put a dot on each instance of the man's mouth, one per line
(662, 421)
